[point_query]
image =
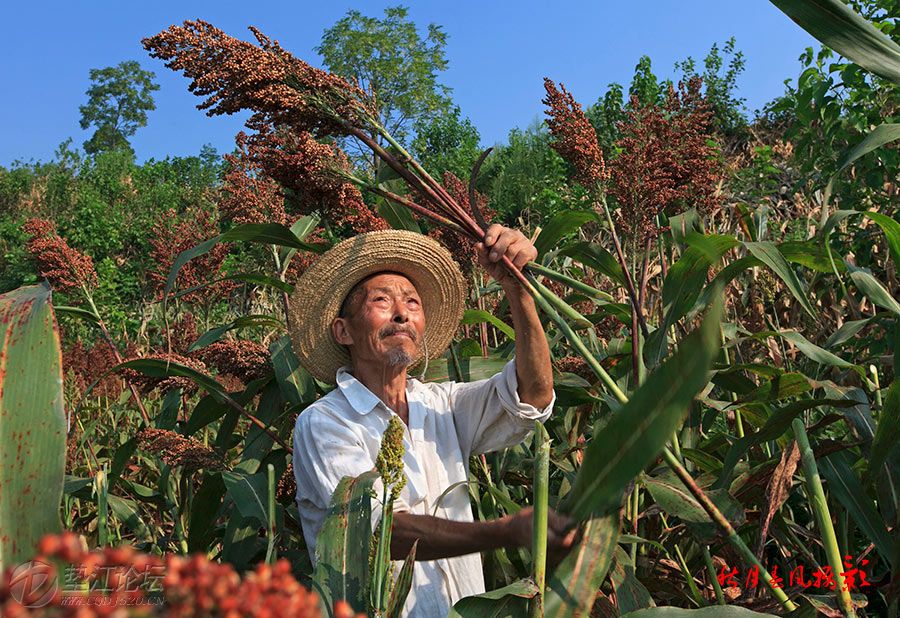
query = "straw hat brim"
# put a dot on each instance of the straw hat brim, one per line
(321, 290)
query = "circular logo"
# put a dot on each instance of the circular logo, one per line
(33, 583)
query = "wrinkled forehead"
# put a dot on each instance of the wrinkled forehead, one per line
(381, 279)
(387, 279)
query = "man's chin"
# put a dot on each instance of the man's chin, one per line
(399, 357)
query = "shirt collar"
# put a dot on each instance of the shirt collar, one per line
(358, 395)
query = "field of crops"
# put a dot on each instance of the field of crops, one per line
(720, 298)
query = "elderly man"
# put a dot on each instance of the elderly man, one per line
(368, 310)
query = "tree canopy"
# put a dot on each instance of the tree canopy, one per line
(393, 62)
(118, 101)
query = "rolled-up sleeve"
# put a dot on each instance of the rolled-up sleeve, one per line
(489, 415)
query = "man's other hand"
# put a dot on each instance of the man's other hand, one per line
(562, 533)
(500, 241)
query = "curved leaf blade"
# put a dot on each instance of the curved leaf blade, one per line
(836, 25)
(32, 422)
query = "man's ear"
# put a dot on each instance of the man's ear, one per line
(341, 332)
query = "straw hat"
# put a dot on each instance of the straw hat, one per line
(320, 291)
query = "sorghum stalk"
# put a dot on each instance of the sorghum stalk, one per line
(575, 284)
(711, 569)
(563, 307)
(270, 549)
(819, 505)
(540, 514)
(101, 489)
(620, 255)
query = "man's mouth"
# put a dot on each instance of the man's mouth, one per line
(400, 333)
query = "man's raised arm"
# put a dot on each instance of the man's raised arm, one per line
(534, 372)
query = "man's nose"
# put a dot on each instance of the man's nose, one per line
(401, 313)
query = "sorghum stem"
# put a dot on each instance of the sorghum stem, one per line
(819, 506)
(540, 513)
(620, 255)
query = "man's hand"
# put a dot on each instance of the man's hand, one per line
(562, 533)
(500, 241)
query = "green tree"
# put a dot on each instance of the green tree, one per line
(118, 101)
(525, 180)
(605, 115)
(392, 62)
(719, 85)
(645, 86)
(447, 143)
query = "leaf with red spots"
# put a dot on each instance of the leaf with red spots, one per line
(32, 422)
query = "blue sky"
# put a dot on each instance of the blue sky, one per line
(498, 53)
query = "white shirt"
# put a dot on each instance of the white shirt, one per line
(340, 434)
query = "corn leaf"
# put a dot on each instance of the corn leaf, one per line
(342, 547)
(575, 582)
(768, 253)
(561, 225)
(836, 25)
(32, 422)
(508, 602)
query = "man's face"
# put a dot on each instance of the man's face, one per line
(385, 322)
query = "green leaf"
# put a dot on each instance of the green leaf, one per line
(810, 254)
(807, 348)
(890, 227)
(869, 285)
(247, 277)
(473, 368)
(631, 594)
(477, 316)
(684, 224)
(32, 422)
(262, 233)
(596, 257)
(399, 217)
(507, 602)
(160, 368)
(636, 434)
(574, 584)
(127, 511)
(342, 547)
(876, 138)
(684, 284)
(402, 586)
(296, 384)
(845, 486)
(561, 225)
(718, 611)
(846, 332)
(674, 498)
(214, 334)
(204, 508)
(77, 312)
(302, 228)
(249, 493)
(768, 253)
(836, 25)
